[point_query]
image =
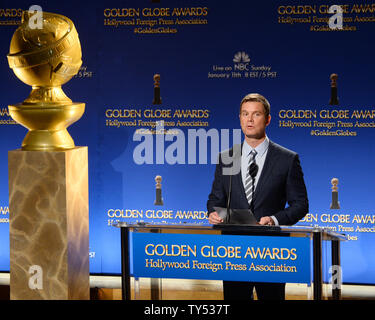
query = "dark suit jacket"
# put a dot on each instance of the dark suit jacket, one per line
(281, 182)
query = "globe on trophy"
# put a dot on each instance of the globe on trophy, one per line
(46, 59)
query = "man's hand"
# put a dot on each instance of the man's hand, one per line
(266, 221)
(214, 218)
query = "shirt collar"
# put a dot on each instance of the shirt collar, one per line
(260, 149)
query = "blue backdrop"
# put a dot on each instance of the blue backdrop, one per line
(210, 54)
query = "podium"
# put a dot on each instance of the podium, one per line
(285, 254)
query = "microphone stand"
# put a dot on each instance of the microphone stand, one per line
(229, 198)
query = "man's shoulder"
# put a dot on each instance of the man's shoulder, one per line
(236, 150)
(282, 150)
(231, 157)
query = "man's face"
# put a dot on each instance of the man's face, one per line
(253, 120)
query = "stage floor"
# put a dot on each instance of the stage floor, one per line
(109, 288)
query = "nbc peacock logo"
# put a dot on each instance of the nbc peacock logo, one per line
(241, 56)
(241, 61)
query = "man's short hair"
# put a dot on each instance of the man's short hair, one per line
(257, 98)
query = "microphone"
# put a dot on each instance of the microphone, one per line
(229, 198)
(230, 192)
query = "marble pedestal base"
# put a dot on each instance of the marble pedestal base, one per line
(49, 224)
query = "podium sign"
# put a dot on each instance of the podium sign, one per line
(221, 257)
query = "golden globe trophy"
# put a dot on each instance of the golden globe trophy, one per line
(157, 98)
(48, 176)
(46, 59)
(335, 204)
(159, 199)
(334, 100)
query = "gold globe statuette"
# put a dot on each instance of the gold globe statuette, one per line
(46, 59)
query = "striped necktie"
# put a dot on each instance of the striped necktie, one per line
(250, 182)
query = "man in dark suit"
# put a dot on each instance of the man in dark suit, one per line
(277, 181)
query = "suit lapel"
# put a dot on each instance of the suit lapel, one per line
(269, 163)
(237, 181)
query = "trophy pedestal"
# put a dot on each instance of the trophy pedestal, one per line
(49, 224)
(335, 204)
(159, 200)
